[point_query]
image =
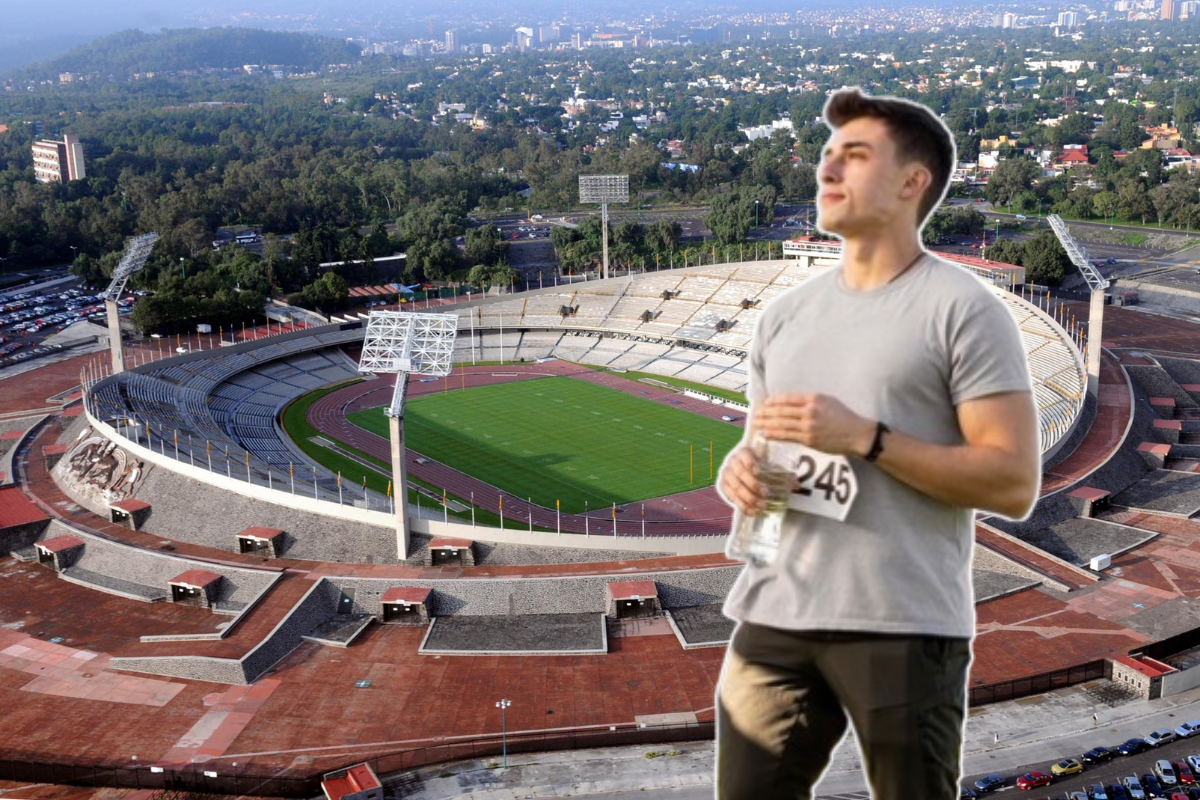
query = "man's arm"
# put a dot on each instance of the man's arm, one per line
(997, 468)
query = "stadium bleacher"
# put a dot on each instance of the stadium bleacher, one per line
(699, 327)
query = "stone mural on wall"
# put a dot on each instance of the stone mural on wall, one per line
(96, 469)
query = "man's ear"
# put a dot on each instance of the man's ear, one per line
(918, 180)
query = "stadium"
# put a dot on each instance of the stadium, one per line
(255, 619)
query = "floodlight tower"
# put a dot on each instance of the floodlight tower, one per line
(1097, 283)
(137, 250)
(604, 189)
(406, 344)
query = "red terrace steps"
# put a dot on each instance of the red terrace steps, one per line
(1031, 558)
(249, 633)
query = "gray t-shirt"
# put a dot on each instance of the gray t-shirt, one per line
(905, 353)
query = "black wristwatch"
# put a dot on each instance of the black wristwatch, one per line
(877, 444)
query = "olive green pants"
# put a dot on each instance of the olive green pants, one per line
(783, 699)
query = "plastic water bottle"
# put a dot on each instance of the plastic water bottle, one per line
(755, 538)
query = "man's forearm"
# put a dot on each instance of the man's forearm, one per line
(968, 476)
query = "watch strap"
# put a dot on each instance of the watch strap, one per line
(877, 444)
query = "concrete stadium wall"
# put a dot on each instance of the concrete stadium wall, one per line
(380, 519)
(559, 595)
(318, 604)
(242, 586)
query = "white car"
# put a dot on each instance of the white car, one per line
(1188, 729)
(1160, 737)
(1134, 787)
(1194, 762)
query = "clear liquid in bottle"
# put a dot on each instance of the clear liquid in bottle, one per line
(755, 538)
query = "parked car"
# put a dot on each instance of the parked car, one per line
(1134, 787)
(966, 794)
(1132, 747)
(989, 783)
(1188, 729)
(1184, 773)
(1166, 773)
(1031, 780)
(1193, 761)
(1151, 786)
(1098, 755)
(1160, 737)
(1097, 792)
(1068, 766)
(1117, 792)
(1081, 795)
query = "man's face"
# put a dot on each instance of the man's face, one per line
(862, 186)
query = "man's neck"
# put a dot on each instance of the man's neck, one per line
(870, 263)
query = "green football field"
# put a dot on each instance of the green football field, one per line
(563, 439)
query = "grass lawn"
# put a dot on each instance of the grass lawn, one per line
(295, 424)
(564, 439)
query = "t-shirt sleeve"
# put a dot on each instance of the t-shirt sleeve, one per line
(986, 353)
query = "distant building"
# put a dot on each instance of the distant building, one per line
(451, 41)
(524, 38)
(1170, 10)
(1008, 20)
(58, 162)
(1068, 19)
(577, 40)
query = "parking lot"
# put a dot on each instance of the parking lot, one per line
(30, 316)
(1185, 751)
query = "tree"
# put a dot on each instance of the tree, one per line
(485, 244)
(89, 270)
(1105, 203)
(1012, 175)
(663, 236)
(1044, 259)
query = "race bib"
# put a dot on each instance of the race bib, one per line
(827, 484)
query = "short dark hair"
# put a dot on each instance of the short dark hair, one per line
(917, 132)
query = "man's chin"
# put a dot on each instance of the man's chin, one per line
(829, 224)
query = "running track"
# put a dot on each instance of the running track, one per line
(699, 512)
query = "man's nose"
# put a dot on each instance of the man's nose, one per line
(829, 172)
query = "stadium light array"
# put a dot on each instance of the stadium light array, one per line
(1097, 283)
(406, 344)
(137, 251)
(604, 189)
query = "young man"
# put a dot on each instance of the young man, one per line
(912, 370)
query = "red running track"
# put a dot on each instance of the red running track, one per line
(699, 512)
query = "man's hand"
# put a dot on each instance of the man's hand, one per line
(815, 420)
(738, 482)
